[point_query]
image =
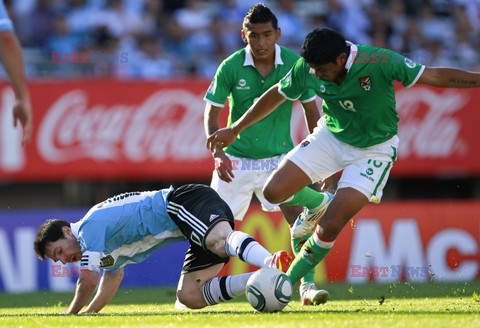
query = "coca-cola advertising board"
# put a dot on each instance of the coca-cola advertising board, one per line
(106, 129)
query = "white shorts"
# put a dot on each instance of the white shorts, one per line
(365, 169)
(250, 177)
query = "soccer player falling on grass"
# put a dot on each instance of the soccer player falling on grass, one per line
(243, 167)
(357, 134)
(129, 227)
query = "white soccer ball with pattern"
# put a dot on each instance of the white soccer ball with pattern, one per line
(268, 290)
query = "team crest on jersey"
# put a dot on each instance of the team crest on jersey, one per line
(304, 143)
(410, 63)
(242, 85)
(107, 261)
(365, 83)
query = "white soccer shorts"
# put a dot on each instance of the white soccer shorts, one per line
(250, 177)
(365, 169)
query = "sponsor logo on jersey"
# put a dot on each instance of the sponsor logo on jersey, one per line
(323, 89)
(410, 63)
(213, 217)
(107, 261)
(365, 83)
(304, 143)
(242, 85)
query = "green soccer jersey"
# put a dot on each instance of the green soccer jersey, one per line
(361, 110)
(238, 80)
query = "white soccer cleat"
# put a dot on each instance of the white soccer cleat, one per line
(306, 221)
(179, 305)
(310, 295)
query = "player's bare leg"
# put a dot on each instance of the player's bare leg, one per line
(285, 182)
(190, 286)
(346, 203)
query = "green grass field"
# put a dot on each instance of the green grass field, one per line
(371, 305)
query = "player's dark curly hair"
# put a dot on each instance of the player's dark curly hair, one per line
(322, 46)
(259, 13)
(48, 232)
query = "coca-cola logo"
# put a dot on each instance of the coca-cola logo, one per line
(168, 124)
(428, 126)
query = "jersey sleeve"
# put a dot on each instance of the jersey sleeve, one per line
(5, 22)
(91, 261)
(220, 87)
(402, 69)
(292, 85)
(307, 96)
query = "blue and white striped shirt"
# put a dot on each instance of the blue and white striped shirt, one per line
(125, 229)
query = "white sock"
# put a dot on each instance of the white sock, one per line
(247, 249)
(222, 289)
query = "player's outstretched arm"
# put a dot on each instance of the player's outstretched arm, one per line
(106, 290)
(445, 77)
(266, 104)
(86, 284)
(11, 56)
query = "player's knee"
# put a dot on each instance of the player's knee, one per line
(193, 299)
(271, 194)
(216, 238)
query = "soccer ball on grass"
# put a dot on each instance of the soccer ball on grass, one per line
(268, 290)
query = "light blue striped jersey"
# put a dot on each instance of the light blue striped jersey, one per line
(125, 229)
(5, 22)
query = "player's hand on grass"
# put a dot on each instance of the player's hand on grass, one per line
(223, 165)
(221, 138)
(22, 112)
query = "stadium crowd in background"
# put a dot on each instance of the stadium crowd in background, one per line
(152, 39)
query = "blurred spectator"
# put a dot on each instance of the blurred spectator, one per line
(39, 25)
(61, 39)
(231, 18)
(293, 30)
(193, 36)
(351, 20)
(150, 62)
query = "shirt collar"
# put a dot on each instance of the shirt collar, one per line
(249, 58)
(351, 56)
(75, 227)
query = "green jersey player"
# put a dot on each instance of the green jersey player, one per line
(242, 168)
(357, 134)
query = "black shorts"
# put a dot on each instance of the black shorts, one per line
(195, 209)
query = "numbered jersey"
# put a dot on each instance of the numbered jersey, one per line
(361, 110)
(125, 229)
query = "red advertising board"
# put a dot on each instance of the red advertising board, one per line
(412, 241)
(106, 129)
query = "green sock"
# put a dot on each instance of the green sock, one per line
(297, 244)
(309, 256)
(307, 197)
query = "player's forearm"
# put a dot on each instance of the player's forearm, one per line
(11, 56)
(211, 119)
(266, 104)
(85, 288)
(312, 115)
(445, 77)
(108, 287)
